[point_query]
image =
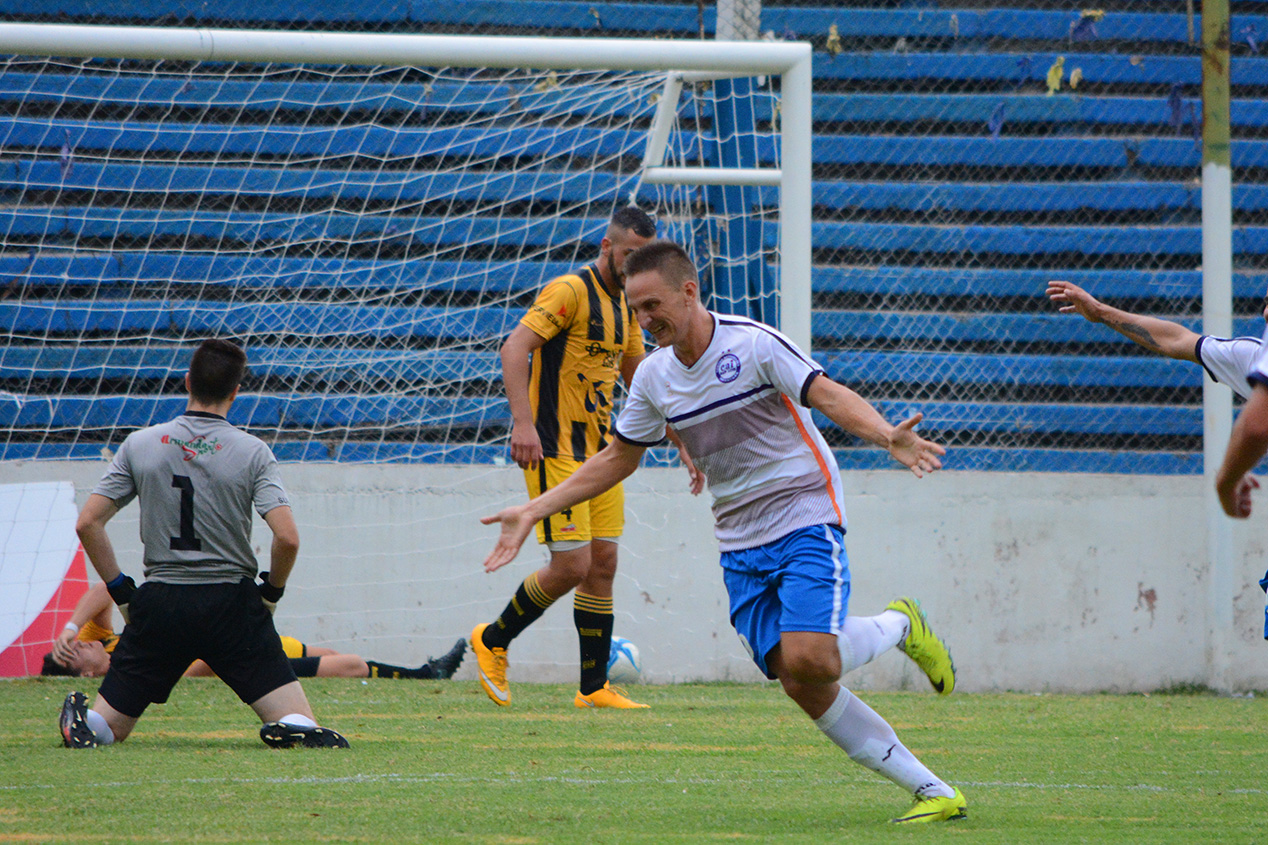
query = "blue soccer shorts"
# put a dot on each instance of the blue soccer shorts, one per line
(800, 582)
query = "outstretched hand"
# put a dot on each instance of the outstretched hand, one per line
(515, 527)
(913, 451)
(1073, 299)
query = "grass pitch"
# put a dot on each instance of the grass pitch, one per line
(437, 762)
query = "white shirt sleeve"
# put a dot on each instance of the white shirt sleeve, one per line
(787, 367)
(640, 422)
(1230, 360)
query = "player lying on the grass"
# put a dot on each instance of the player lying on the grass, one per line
(198, 478)
(739, 395)
(1227, 360)
(84, 646)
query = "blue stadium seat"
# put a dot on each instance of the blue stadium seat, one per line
(428, 368)
(1013, 69)
(1004, 370)
(161, 270)
(1042, 418)
(105, 222)
(199, 319)
(271, 411)
(1162, 286)
(911, 328)
(401, 186)
(1121, 154)
(261, 99)
(1029, 240)
(1028, 108)
(282, 139)
(1054, 197)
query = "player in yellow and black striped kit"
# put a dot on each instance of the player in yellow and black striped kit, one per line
(559, 369)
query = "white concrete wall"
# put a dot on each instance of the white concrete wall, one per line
(1037, 581)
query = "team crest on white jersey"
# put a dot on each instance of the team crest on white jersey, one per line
(728, 368)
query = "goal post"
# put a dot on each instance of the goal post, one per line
(703, 59)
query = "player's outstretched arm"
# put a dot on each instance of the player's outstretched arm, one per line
(602, 472)
(1161, 336)
(1246, 445)
(856, 415)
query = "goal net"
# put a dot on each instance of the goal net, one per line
(370, 232)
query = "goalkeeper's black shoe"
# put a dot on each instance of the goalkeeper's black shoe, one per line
(444, 666)
(74, 722)
(282, 735)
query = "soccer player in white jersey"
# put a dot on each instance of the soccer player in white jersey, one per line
(1247, 445)
(739, 395)
(1227, 360)
(197, 478)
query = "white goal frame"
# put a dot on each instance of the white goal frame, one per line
(681, 60)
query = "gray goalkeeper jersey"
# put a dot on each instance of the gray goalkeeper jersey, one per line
(198, 478)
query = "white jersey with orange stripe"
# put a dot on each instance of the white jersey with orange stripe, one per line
(741, 412)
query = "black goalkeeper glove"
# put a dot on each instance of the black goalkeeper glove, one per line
(269, 594)
(121, 590)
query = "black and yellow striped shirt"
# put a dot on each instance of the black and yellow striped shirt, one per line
(588, 333)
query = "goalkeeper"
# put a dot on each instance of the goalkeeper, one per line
(197, 478)
(83, 649)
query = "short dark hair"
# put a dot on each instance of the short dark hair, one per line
(216, 369)
(634, 219)
(52, 667)
(667, 258)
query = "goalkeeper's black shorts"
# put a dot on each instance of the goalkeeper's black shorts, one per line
(175, 624)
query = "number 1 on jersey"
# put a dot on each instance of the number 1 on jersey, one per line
(187, 541)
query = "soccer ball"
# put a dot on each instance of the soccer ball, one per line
(624, 667)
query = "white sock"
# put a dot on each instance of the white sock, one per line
(100, 727)
(298, 720)
(860, 732)
(864, 638)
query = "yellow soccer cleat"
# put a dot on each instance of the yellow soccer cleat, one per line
(924, 646)
(939, 809)
(492, 663)
(607, 696)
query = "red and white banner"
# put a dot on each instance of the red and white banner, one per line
(42, 571)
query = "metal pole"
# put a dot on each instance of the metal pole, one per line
(1217, 320)
(795, 206)
(249, 45)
